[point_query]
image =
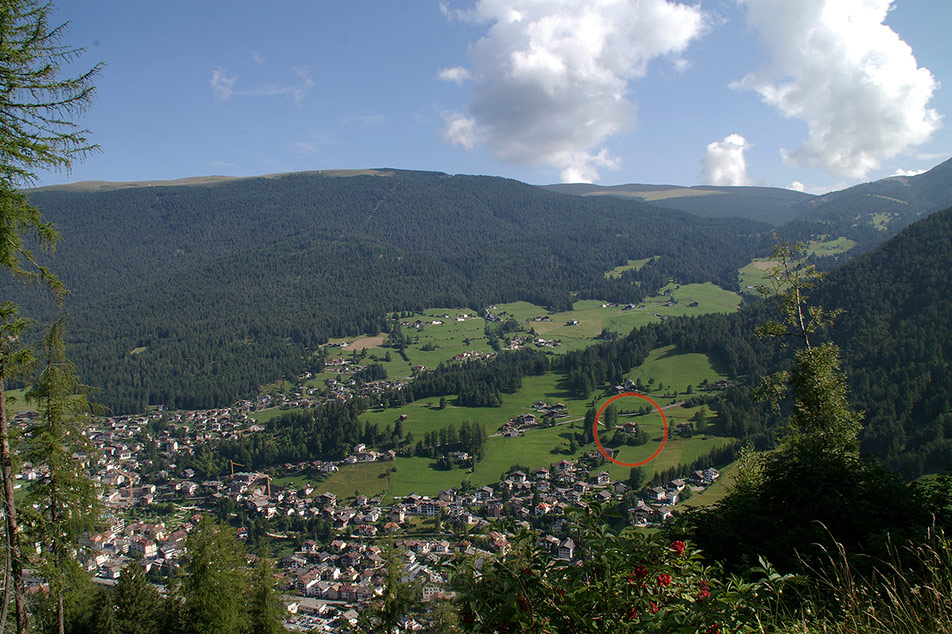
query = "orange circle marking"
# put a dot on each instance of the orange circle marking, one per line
(664, 437)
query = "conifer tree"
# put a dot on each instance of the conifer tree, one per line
(64, 503)
(138, 604)
(36, 133)
(263, 605)
(215, 581)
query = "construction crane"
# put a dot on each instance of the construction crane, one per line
(129, 478)
(233, 464)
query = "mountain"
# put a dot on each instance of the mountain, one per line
(896, 336)
(192, 295)
(871, 213)
(772, 205)
(868, 214)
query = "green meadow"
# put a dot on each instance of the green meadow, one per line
(435, 343)
(664, 366)
(537, 448)
(631, 265)
(823, 246)
(752, 275)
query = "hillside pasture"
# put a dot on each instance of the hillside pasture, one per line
(631, 265)
(823, 246)
(676, 371)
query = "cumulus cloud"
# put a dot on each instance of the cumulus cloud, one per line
(552, 78)
(223, 86)
(456, 74)
(797, 186)
(855, 83)
(724, 163)
(902, 172)
(460, 130)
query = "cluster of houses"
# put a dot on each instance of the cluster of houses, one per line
(474, 355)
(419, 324)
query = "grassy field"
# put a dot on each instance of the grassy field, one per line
(752, 275)
(675, 371)
(264, 415)
(881, 221)
(436, 343)
(368, 478)
(632, 265)
(16, 403)
(830, 247)
(716, 491)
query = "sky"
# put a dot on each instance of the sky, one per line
(813, 95)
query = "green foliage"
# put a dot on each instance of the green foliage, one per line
(398, 598)
(264, 607)
(815, 488)
(621, 582)
(139, 607)
(215, 580)
(433, 240)
(36, 133)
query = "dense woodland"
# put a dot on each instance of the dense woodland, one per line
(188, 318)
(196, 301)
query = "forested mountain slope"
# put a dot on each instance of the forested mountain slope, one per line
(896, 337)
(764, 204)
(868, 214)
(895, 334)
(872, 213)
(194, 295)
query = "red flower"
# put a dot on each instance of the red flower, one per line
(640, 572)
(678, 547)
(654, 606)
(632, 614)
(705, 589)
(714, 629)
(664, 580)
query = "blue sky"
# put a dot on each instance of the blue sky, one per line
(812, 94)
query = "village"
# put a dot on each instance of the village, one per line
(326, 585)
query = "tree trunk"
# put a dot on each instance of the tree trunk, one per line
(10, 510)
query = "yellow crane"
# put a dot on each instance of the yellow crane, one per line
(129, 478)
(233, 465)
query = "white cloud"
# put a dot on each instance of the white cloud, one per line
(724, 163)
(223, 84)
(855, 83)
(456, 74)
(460, 130)
(902, 172)
(818, 190)
(552, 77)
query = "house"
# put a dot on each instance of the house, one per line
(601, 478)
(566, 549)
